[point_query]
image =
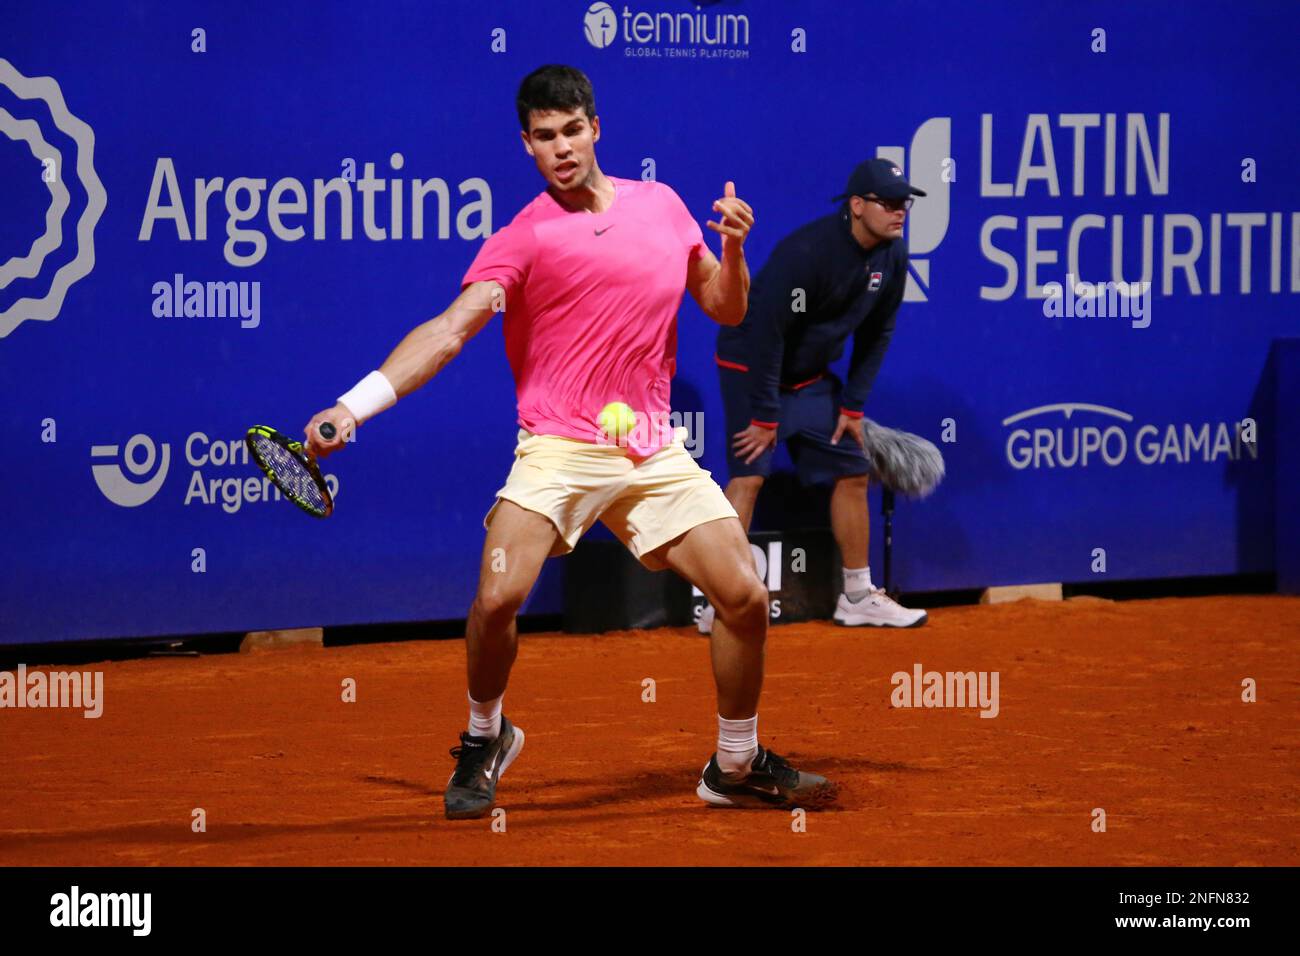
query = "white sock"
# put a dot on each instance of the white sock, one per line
(737, 744)
(857, 583)
(485, 717)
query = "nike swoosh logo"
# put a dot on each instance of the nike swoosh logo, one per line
(772, 790)
(492, 766)
(601, 232)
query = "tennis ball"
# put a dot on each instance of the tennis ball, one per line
(617, 420)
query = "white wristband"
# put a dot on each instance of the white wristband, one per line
(370, 396)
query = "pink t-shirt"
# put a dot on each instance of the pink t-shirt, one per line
(591, 309)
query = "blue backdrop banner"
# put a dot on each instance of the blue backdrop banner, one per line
(223, 214)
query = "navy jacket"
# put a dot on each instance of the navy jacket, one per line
(847, 291)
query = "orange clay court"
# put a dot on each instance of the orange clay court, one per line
(1134, 707)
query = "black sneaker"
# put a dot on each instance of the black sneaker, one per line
(480, 762)
(771, 782)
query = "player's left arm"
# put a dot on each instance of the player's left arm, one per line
(870, 342)
(722, 288)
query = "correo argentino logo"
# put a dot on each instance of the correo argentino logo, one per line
(221, 473)
(46, 307)
(125, 491)
(927, 223)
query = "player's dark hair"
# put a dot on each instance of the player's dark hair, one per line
(554, 87)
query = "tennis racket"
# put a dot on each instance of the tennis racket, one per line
(292, 468)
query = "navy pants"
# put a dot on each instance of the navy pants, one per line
(808, 419)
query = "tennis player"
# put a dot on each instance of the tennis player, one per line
(591, 274)
(837, 278)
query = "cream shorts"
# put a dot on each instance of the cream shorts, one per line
(645, 503)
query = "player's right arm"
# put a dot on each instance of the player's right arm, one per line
(429, 347)
(421, 355)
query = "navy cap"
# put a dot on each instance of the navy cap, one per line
(881, 177)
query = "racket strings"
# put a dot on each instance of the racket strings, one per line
(289, 472)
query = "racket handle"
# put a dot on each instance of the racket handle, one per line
(327, 431)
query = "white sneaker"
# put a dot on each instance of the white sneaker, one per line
(877, 609)
(704, 623)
